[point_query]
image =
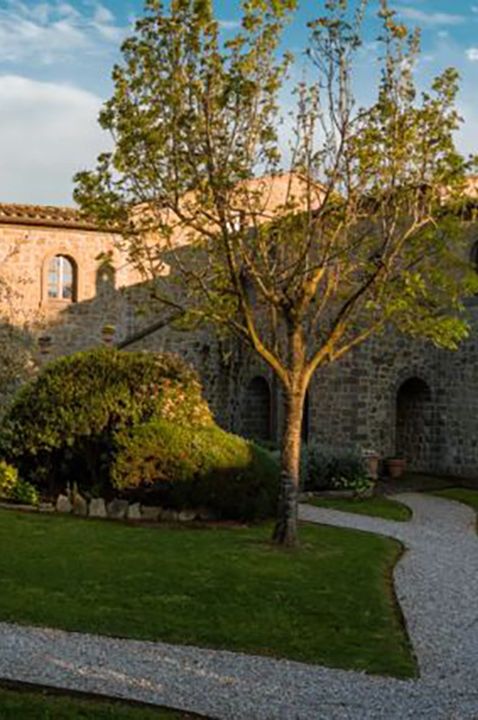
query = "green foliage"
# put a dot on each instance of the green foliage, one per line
(179, 466)
(385, 248)
(329, 468)
(24, 493)
(110, 422)
(366, 236)
(14, 488)
(60, 427)
(8, 479)
(355, 479)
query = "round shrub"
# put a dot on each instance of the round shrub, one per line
(60, 426)
(179, 466)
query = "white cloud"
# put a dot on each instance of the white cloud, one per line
(430, 18)
(229, 24)
(103, 15)
(47, 133)
(472, 54)
(50, 31)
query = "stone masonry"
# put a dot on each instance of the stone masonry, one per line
(392, 395)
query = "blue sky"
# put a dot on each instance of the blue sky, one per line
(55, 63)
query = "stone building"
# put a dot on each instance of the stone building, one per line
(67, 280)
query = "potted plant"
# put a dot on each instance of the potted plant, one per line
(396, 467)
(372, 460)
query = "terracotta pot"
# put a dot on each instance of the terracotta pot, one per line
(372, 462)
(396, 467)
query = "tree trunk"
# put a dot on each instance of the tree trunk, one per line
(285, 532)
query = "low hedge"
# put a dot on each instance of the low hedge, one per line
(177, 466)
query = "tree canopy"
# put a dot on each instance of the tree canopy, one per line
(302, 251)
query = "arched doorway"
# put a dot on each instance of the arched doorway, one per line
(414, 429)
(257, 410)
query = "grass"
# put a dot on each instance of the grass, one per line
(463, 495)
(377, 506)
(419, 482)
(29, 705)
(331, 602)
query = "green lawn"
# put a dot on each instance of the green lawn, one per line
(331, 602)
(15, 705)
(463, 495)
(377, 506)
(419, 482)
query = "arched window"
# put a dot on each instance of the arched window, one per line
(61, 279)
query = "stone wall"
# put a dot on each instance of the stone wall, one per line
(354, 402)
(25, 253)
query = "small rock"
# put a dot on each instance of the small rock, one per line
(169, 516)
(63, 504)
(98, 508)
(46, 507)
(205, 514)
(187, 515)
(80, 505)
(149, 513)
(134, 512)
(117, 509)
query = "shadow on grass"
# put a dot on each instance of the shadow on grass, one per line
(24, 701)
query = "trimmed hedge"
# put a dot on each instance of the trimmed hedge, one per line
(115, 422)
(180, 466)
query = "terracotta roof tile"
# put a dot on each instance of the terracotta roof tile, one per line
(47, 215)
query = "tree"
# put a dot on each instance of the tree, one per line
(361, 233)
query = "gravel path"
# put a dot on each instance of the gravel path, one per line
(437, 585)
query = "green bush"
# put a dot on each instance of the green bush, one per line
(328, 468)
(178, 466)
(135, 424)
(8, 479)
(13, 488)
(60, 427)
(24, 493)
